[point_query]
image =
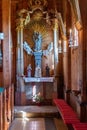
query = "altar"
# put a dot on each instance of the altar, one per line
(41, 79)
(37, 57)
(41, 85)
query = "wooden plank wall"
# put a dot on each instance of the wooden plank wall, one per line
(75, 66)
(6, 107)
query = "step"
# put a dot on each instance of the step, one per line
(35, 111)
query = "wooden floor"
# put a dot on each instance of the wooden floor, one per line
(36, 123)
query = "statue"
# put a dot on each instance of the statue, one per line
(47, 70)
(38, 71)
(37, 38)
(29, 69)
(27, 20)
(50, 47)
(27, 48)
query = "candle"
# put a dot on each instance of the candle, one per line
(59, 43)
(60, 47)
(70, 34)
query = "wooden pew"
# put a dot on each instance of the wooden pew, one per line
(68, 115)
(66, 112)
(80, 126)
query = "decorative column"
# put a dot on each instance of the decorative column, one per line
(21, 41)
(20, 38)
(55, 31)
(18, 70)
(20, 63)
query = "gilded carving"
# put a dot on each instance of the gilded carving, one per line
(20, 23)
(37, 14)
(35, 4)
(55, 23)
(38, 26)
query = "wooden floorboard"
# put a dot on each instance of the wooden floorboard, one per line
(37, 122)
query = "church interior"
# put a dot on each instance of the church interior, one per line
(43, 64)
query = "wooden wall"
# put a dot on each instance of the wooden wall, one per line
(7, 96)
(74, 66)
(6, 107)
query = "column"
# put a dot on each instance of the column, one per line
(21, 42)
(55, 31)
(20, 46)
(18, 68)
(20, 58)
(6, 29)
(20, 63)
(21, 82)
(7, 59)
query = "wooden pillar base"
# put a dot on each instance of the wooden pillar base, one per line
(20, 98)
(54, 95)
(23, 98)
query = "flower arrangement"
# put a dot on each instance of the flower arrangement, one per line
(38, 98)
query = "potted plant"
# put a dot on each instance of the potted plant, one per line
(38, 98)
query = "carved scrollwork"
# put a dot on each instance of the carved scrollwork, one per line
(34, 4)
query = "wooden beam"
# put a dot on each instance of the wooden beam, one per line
(6, 29)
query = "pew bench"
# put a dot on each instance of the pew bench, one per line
(69, 116)
(67, 113)
(80, 126)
